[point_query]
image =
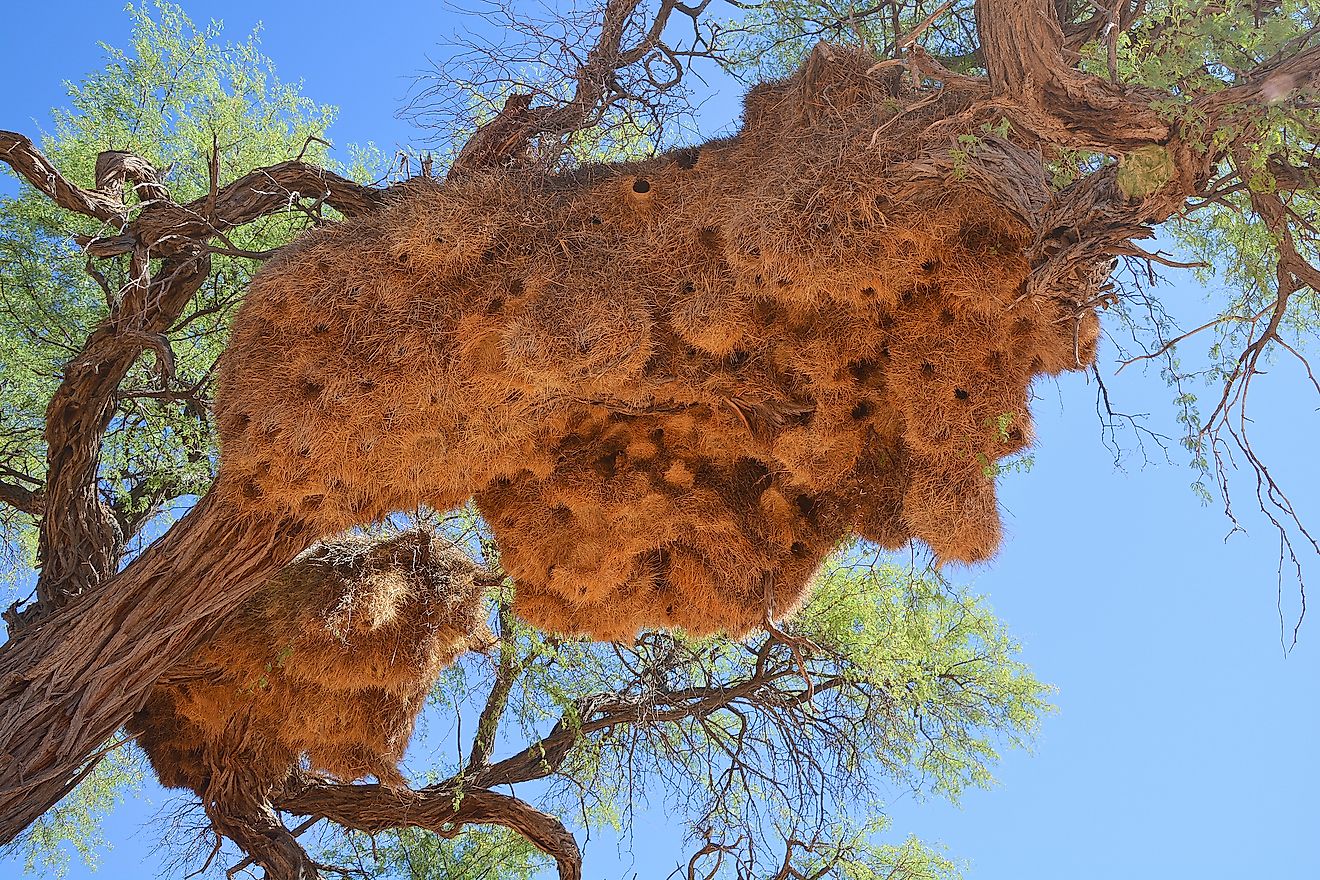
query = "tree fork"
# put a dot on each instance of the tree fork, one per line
(80, 541)
(80, 660)
(441, 809)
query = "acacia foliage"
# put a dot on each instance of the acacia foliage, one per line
(913, 688)
(176, 95)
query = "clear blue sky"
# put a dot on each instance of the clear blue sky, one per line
(1186, 743)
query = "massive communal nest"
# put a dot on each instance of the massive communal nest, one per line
(673, 386)
(328, 664)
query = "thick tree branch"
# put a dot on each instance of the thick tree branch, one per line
(252, 824)
(504, 141)
(1293, 70)
(441, 809)
(1023, 46)
(22, 499)
(167, 228)
(114, 168)
(483, 742)
(71, 678)
(18, 152)
(80, 541)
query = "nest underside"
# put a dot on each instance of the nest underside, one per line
(672, 386)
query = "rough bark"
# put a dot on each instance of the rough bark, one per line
(441, 809)
(20, 154)
(71, 679)
(238, 809)
(80, 540)
(81, 658)
(1023, 47)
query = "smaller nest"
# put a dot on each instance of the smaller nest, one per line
(327, 666)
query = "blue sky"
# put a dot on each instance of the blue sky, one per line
(1185, 744)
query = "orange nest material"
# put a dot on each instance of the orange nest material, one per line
(673, 386)
(330, 662)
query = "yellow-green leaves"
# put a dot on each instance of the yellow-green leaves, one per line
(1144, 170)
(949, 668)
(75, 822)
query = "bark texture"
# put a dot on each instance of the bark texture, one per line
(439, 809)
(71, 676)
(83, 653)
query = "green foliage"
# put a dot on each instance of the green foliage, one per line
(1020, 463)
(1144, 170)
(1188, 46)
(948, 667)
(74, 825)
(410, 854)
(854, 855)
(915, 688)
(174, 96)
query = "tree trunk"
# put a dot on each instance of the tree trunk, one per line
(71, 680)
(80, 543)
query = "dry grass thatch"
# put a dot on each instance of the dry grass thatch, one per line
(673, 385)
(329, 663)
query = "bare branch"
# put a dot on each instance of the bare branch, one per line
(441, 809)
(19, 153)
(22, 499)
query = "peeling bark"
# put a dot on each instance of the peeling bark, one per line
(1023, 46)
(83, 655)
(71, 679)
